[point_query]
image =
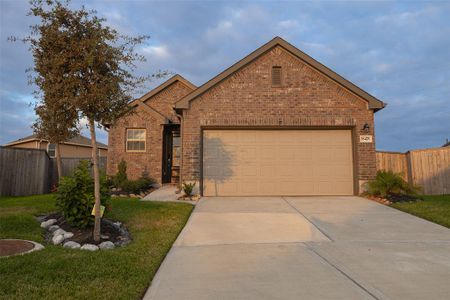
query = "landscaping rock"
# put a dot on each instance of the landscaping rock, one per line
(57, 239)
(71, 245)
(114, 190)
(48, 223)
(104, 237)
(113, 196)
(68, 235)
(59, 232)
(89, 247)
(133, 195)
(106, 245)
(53, 228)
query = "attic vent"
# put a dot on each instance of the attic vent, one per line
(276, 76)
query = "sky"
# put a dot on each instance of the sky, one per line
(397, 51)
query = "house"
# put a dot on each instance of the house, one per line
(79, 146)
(276, 122)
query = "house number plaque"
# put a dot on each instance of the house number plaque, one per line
(365, 139)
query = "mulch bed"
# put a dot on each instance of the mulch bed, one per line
(83, 236)
(12, 247)
(394, 198)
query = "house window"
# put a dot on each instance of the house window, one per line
(276, 76)
(136, 141)
(51, 150)
(176, 150)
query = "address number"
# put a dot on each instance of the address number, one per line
(365, 139)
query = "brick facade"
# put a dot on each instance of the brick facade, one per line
(149, 161)
(306, 98)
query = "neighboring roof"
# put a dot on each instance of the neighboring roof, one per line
(78, 140)
(374, 103)
(447, 144)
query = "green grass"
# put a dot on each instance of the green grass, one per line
(434, 208)
(59, 273)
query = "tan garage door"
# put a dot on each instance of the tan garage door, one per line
(277, 162)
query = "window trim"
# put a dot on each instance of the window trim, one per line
(48, 152)
(281, 76)
(136, 140)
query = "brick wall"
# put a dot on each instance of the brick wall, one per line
(151, 160)
(306, 98)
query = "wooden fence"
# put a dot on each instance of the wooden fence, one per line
(26, 172)
(428, 168)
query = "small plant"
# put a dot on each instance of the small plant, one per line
(75, 195)
(388, 182)
(136, 186)
(188, 188)
(121, 175)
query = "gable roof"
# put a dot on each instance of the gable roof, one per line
(78, 140)
(164, 85)
(374, 103)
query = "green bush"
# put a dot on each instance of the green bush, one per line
(136, 186)
(388, 182)
(75, 196)
(121, 175)
(188, 188)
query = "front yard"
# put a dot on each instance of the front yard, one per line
(60, 273)
(434, 208)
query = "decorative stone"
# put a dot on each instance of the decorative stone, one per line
(68, 235)
(113, 196)
(123, 195)
(89, 247)
(48, 223)
(108, 245)
(57, 239)
(59, 232)
(53, 228)
(104, 237)
(71, 245)
(133, 195)
(114, 189)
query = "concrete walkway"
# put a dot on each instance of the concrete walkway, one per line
(166, 193)
(304, 248)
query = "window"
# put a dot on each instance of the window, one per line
(176, 142)
(276, 76)
(136, 140)
(51, 150)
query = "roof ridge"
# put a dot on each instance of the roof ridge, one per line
(374, 103)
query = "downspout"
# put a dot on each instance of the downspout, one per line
(180, 117)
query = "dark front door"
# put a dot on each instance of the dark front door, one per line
(170, 160)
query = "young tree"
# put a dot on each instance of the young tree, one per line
(97, 74)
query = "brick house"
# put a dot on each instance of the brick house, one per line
(275, 123)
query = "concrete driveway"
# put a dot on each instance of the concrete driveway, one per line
(304, 248)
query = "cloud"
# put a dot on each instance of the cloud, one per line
(156, 52)
(396, 51)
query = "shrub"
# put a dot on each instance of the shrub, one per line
(136, 186)
(388, 182)
(188, 188)
(75, 196)
(121, 175)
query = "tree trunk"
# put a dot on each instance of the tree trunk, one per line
(58, 161)
(96, 181)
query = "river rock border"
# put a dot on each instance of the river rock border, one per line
(58, 236)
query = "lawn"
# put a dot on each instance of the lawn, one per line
(434, 208)
(59, 273)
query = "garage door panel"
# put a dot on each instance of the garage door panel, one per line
(277, 162)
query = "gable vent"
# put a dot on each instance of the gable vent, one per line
(276, 76)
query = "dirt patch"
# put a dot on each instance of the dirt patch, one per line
(12, 247)
(110, 231)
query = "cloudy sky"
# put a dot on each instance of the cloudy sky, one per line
(399, 52)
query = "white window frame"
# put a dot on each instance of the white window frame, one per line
(135, 140)
(48, 152)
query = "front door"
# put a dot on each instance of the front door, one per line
(170, 145)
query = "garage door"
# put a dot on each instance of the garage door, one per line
(277, 162)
